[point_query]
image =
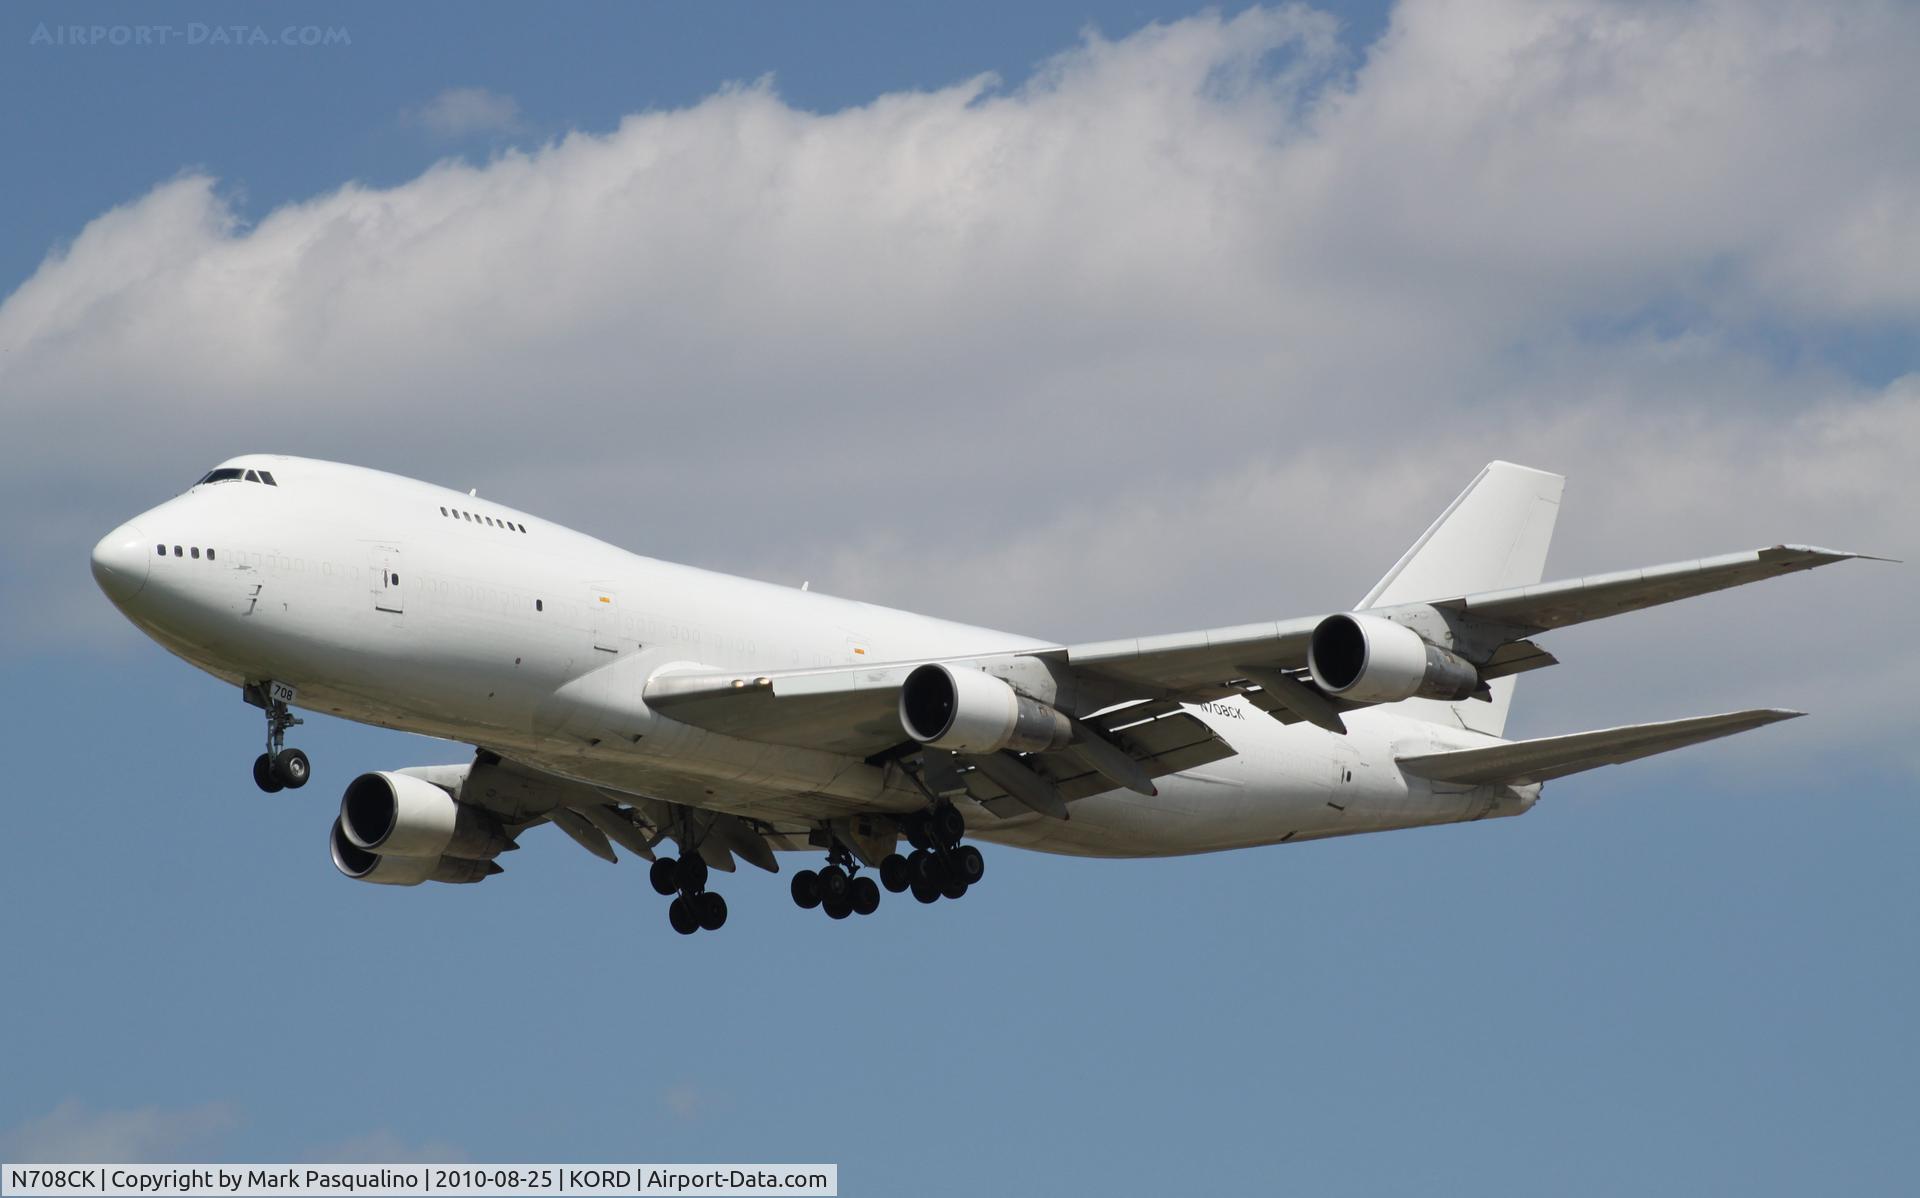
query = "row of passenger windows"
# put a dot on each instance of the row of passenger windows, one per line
(489, 521)
(230, 473)
(193, 552)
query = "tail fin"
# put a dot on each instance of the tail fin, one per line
(1492, 537)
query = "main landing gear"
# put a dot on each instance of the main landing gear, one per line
(939, 866)
(694, 906)
(279, 767)
(839, 889)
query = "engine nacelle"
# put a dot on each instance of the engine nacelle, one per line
(1371, 660)
(970, 711)
(399, 815)
(364, 866)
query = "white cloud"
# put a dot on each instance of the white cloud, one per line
(74, 1132)
(461, 112)
(1198, 324)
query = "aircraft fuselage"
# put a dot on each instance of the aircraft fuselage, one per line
(394, 602)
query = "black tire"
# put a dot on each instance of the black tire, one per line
(895, 874)
(967, 864)
(664, 874)
(833, 884)
(712, 910)
(926, 892)
(916, 829)
(948, 824)
(693, 874)
(292, 769)
(953, 888)
(864, 894)
(263, 775)
(838, 908)
(805, 889)
(924, 866)
(680, 915)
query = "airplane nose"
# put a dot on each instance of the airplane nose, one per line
(120, 563)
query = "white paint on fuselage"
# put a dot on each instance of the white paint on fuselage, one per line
(537, 644)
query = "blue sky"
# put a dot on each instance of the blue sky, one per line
(1240, 304)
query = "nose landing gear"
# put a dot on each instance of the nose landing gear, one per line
(279, 767)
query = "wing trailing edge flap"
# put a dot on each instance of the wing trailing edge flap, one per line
(1158, 737)
(1542, 760)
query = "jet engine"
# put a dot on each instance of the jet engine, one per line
(363, 866)
(970, 711)
(1370, 660)
(402, 830)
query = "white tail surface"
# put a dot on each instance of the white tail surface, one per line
(1494, 536)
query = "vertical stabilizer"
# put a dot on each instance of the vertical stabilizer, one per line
(1492, 537)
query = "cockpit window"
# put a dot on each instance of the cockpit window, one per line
(228, 474)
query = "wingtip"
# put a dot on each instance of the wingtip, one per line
(1835, 555)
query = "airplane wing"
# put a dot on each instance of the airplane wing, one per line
(597, 817)
(1550, 757)
(854, 710)
(1201, 660)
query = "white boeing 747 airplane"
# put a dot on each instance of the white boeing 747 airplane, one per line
(632, 702)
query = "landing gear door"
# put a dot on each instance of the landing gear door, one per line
(384, 569)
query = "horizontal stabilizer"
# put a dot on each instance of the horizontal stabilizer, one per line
(1550, 757)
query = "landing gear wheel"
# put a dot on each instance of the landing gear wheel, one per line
(680, 915)
(263, 774)
(833, 885)
(948, 824)
(954, 887)
(916, 829)
(712, 911)
(838, 908)
(967, 864)
(926, 892)
(291, 769)
(864, 894)
(806, 890)
(924, 866)
(664, 875)
(895, 874)
(693, 873)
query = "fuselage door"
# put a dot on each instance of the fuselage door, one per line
(384, 569)
(604, 617)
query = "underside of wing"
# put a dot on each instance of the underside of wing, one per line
(1158, 740)
(851, 711)
(1542, 760)
(598, 818)
(1575, 601)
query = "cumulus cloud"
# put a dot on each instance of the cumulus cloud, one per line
(1197, 324)
(462, 112)
(73, 1131)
